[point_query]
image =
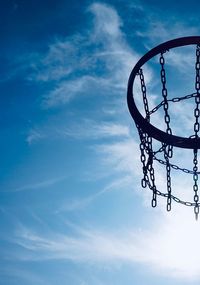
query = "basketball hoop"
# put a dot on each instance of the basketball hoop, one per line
(168, 142)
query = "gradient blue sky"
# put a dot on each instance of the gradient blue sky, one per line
(72, 211)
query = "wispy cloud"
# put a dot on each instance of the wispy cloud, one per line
(88, 129)
(119, 184)
(63, 92)
(92, 130)
(157, 31)
(34, 136)
(96, 59)
(38, 185)
(168, 248)
(121, 156)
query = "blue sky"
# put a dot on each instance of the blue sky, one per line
(71, 204)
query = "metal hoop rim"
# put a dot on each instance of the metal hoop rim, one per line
(183, 142)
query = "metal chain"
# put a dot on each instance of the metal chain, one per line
(196, 131)
(143, 157)
(174, 100)
(168, 171)
(147, 153)
(168, 152)
(197, 87)
(195, 186)
(164, 93)
(176, 199)
(176, 167)
(146, 181)
(143, 88)
(146, 143)
(151, 172)
(165, 104)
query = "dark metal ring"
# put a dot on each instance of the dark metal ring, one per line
(183, 142)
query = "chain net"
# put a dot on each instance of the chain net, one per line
(149, 156)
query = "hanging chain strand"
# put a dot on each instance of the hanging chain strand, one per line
(143, 158)
(146, 144)
(196, 131)
(142, 135)
(168, 151)
(195, 186)
(164, 93)
(144, 96)
(197, 87)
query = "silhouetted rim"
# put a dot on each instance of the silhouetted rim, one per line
(192, 143)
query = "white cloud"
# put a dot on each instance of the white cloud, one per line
(170, 248)
(113, 130)
(34, 136)
(182, 59)
(119, 57)
(40, 184)
(92, 130)
(56, 65)
(99, 59)
(157, 31)
(122, 156)
(87, 129)
(86, 85)
(65, 91)
(122, 183)
(107, 22)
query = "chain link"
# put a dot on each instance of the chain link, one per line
(197, 87)
(143, 158)
(165, 104)
(174, 100)
(148, 156)
(176, 199)
(196, 131)
(164, 94)
(176, 167)
(168, 151)
(195, 186)
(143, 88)
(146, 144)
